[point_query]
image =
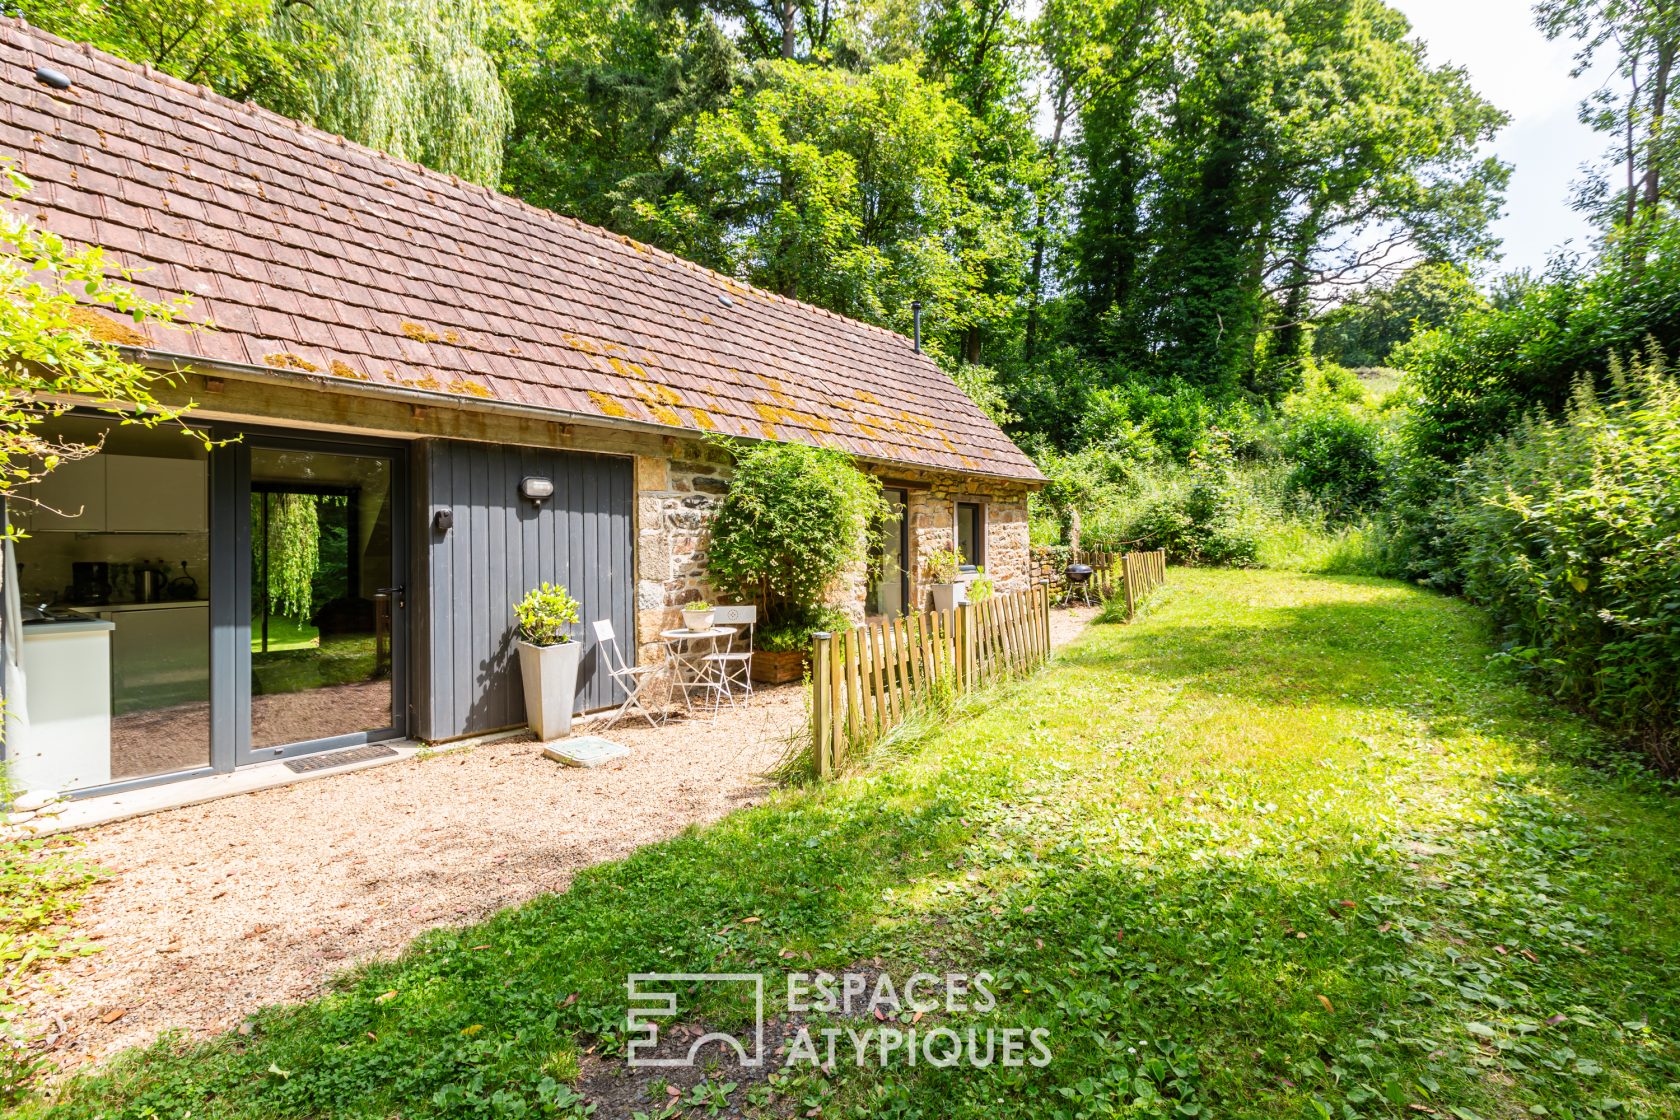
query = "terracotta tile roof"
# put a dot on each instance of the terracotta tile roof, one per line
(315, 255)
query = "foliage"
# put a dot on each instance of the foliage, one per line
(1203, 520)
(794, 519)
(1567, 531)
(286, 559)
(942, 564)
(545, 614)
(1474, 378)
(843, 190)
(1363, 331)
(60, 309)
(1166, 848)
(1339, 458)
(414, 78)
(697, 605)
(981, 587)
(795, 632)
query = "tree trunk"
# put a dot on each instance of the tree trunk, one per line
(1041, 221)
(790, 11)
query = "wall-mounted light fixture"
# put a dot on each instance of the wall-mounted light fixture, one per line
(539, 490)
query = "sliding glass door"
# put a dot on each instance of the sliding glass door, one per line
(322, 659)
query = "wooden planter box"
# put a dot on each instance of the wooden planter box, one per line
(780, 667)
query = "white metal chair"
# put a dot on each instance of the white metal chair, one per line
(629, 677)
(732, 665)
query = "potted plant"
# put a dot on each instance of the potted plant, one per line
(942, 565)
(795, 519)
(698, 615)
(548, 659)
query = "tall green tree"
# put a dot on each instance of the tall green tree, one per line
(1245, 159)
(411, 77)
(1642, 38)
(848, 191)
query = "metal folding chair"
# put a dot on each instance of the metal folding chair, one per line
(733, 664)
(629, 677)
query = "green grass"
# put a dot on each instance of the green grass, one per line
(1286, 847)
(284, 634)
(345, 660)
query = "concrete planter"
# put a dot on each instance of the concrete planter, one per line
(946, 596)
(549, 675)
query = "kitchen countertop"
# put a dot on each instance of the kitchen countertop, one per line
(58, 628)
(161, 605)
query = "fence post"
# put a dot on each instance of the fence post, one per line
(1044, 618)
(965, 647)
(822, 649)
(1126, 566)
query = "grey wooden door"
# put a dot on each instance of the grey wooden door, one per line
(500, 545)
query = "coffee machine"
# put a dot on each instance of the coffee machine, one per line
(90, 583)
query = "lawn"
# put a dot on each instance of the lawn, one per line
(1288, 846)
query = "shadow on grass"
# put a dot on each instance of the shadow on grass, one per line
(1231, 959)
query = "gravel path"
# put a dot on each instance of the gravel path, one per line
(211, 911)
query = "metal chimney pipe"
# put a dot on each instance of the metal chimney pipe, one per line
(916, 317)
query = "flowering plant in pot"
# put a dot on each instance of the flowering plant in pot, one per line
(699, 615)
(548, 659)
(942, 566)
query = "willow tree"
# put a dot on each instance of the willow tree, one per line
(414, 78)
(410, 77)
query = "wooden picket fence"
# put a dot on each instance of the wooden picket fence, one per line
(1141, 573)
(868, 680)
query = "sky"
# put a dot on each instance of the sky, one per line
(1511, 64)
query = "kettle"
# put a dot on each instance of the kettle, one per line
(150, 585)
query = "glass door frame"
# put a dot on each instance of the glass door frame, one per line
(230, 584)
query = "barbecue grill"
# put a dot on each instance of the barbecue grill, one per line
(1078, 584)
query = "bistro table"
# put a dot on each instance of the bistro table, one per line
(685, 649)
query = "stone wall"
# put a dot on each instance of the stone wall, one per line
(675, 500)
(932, 513)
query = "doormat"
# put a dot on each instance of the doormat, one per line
(338, 758)
(589, 751)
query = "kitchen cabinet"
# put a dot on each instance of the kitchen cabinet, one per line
(150, 495)
(160, 654)
(64, 740)
(76, 490)
(119, 494)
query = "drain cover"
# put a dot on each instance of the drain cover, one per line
(588, 751)
(338, 758)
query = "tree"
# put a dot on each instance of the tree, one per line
(413, 78)
(848, 191)
(1645, 38)
(62, 314)
(600, 89)
(1246, 161)
(1362, 331)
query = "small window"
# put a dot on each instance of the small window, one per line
(971, 537)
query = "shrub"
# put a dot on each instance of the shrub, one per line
(1205, 519)
(544, 615)
(795, 517)
(1339, 458)
(1569, 532)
